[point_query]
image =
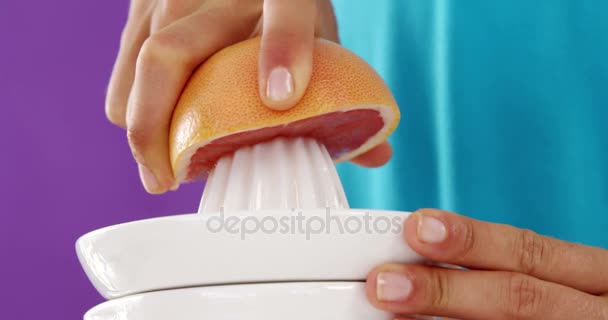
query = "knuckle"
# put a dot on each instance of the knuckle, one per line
(138, 140)
(168, 11)
(468, 240)
(148, 54)
(532, 251)
(132, 32)
(439, 290)
(137, 21)
(161, 49)
(523, 297)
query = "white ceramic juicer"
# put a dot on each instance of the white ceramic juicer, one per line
(274, 239)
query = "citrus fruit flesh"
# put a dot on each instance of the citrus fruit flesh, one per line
(340, 132)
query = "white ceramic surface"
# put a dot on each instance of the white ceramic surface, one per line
(194, 250)
(283, 173)
(270, 301)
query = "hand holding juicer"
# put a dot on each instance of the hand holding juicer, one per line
(274, 237)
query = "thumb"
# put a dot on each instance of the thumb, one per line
(286, 49)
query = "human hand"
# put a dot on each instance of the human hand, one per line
(513, 273)
(165, 40)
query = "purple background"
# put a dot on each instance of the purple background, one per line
(65, 170)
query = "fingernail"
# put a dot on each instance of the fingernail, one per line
(175, 186)
(392, 286)
(431, 230)
(148, 179)
(280, 84)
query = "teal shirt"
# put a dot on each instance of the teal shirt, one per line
(504, 110)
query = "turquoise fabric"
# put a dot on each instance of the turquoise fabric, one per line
(504, 110)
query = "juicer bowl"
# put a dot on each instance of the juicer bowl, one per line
(268, 301)
(242, 247)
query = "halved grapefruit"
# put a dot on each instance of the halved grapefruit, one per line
(347, 107)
